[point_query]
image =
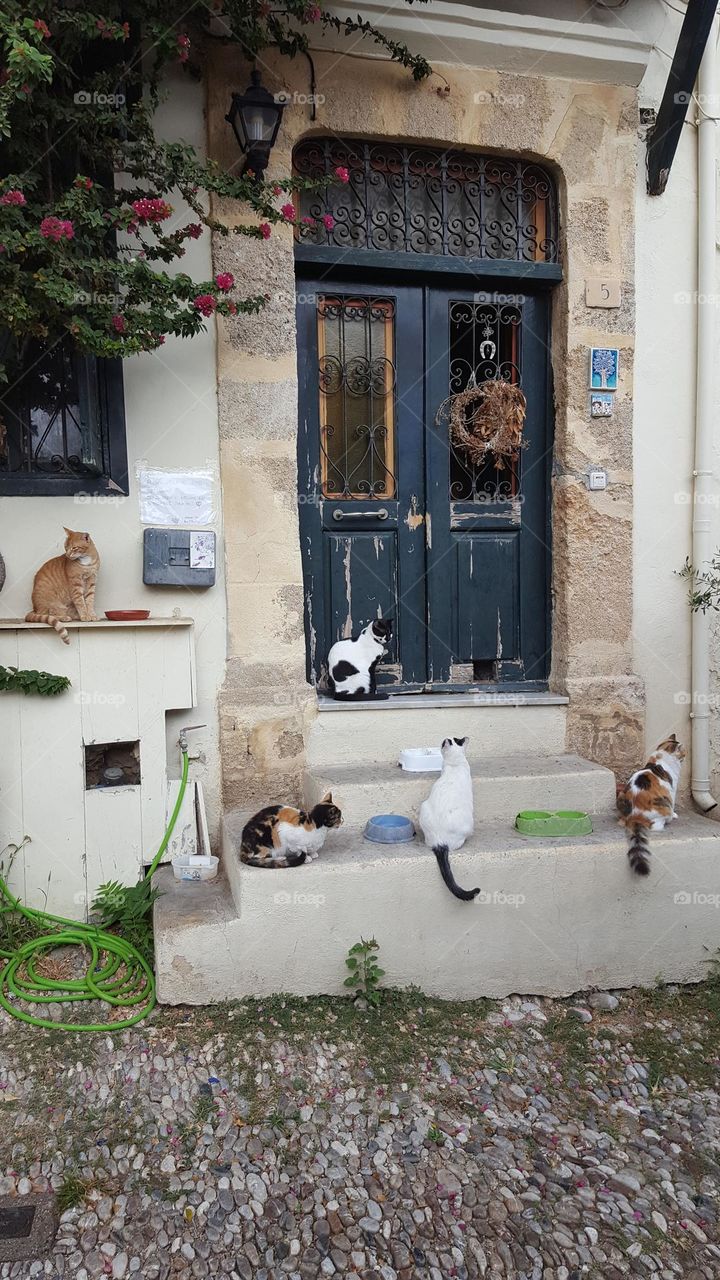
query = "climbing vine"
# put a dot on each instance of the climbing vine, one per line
(88, 191)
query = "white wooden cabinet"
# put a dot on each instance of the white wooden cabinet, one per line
(125, 677)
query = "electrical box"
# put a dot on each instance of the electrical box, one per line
(179, 558)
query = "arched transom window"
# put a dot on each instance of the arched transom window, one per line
(428, 200)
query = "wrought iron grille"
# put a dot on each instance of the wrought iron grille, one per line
(42, 417)
(427, 201)
(356, 376)
(485, 343)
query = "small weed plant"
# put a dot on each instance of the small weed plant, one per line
(365, 973)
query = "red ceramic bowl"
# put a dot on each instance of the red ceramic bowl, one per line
(127, 615)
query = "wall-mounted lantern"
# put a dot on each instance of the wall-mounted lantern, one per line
(255, 116)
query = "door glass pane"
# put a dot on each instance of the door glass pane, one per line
(356, 377)
(484, 344)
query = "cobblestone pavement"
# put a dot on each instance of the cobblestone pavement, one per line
(544, 1140)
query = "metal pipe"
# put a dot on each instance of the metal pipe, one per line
(702, 533)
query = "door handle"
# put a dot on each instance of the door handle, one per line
(380, 513)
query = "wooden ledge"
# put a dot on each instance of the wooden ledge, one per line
(19, 624)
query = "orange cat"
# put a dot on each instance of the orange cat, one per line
(64, 587)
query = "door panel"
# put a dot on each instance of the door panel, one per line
(487, 612)
(488, 550)
(363, 566)
(361, 467)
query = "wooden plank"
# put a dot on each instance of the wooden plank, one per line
(113, 838)
(377, 260)
(108, 680)
(53, 780)
(102, 624)
(12, 819)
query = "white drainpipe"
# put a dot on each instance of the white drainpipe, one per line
(702, 533)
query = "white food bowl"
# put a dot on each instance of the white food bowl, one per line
(195, 867)
(421, 759)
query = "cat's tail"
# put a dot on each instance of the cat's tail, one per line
(287, 860)
(442, 853)
(639, 849)
(50, 621)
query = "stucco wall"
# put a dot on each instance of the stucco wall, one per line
(171, 411)
(666, 280)
(587, 133)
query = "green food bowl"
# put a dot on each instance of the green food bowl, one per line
(556, 822)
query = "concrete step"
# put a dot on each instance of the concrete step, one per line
(495, 724)
(554, 917)
(501, 787)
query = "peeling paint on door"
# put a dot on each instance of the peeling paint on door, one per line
(414, 518)
(499, 637)
(347, 625)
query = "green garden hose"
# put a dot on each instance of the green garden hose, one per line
(117, 973)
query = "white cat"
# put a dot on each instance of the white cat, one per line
(352, 663)
(446, 817)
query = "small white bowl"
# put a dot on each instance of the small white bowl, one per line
(421, 760)
(194, 867)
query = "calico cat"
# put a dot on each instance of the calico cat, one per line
(647, 802)
(281, 836)
(64, 587)
(446, 817)
(352, 663)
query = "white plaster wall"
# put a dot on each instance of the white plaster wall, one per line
(664, 419)
(171, 413)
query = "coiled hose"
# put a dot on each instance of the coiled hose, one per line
(117, 973)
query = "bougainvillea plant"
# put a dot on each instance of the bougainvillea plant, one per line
(88, 191)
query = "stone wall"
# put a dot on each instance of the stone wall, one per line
(587, 134)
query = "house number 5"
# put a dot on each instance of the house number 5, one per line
(602, 293)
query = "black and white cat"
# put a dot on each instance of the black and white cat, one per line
(352, 663)
(446, 817)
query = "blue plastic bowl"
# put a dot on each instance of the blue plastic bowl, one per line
(389, 828)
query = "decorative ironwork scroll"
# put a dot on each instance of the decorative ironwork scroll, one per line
(356, 378)
(485, 344)
(428, 201)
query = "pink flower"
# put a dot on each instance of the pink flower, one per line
(342, 173)
(183, 45)
(56, 229)
(328, 221)
(193, 230)
(288, 211)
(309, 222)
(42, 27)
(313, 13)
(225, 281)
(205, 303)
(265, 230)
(118, 323)
(13, 197)
(152, 209)
(85, 184)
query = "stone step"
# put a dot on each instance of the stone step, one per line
(554, 917)
(501, 787)
(495, 724)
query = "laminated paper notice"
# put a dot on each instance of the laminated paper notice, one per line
(176, 497)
